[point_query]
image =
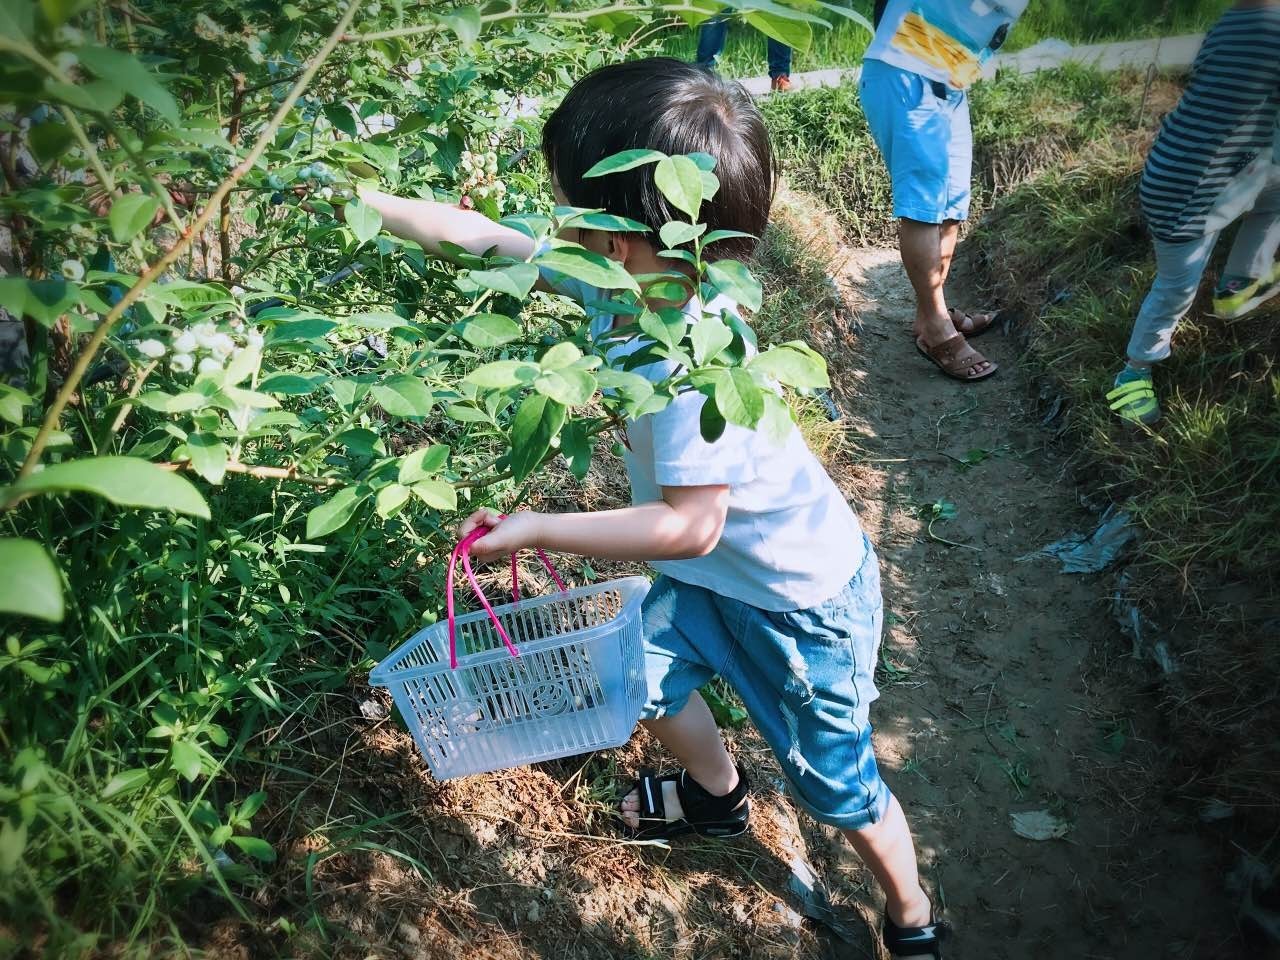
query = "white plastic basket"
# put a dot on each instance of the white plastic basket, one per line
(576, 685)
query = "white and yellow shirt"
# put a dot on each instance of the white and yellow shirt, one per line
(943, 40)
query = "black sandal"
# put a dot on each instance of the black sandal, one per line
(914, 941)
(705, 814)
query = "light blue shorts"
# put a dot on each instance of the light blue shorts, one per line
(925, 138)
(805, 677)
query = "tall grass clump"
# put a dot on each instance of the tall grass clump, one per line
(1068, 253)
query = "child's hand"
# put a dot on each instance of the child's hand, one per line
(505, 536)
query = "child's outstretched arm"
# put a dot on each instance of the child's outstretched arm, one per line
(686, 523)
(429, 223)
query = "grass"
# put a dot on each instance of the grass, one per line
(844, 44)
(1021, 125)
(1200, 486)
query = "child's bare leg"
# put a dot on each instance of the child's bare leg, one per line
(694, 739)
(887, 850)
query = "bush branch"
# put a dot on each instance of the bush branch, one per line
(153, 273)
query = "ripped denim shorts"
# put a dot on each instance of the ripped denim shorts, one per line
(805, 677)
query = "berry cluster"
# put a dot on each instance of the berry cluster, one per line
(203, 348)
(317, 177)
(481, 176)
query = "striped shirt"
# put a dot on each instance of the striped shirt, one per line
(1226, 118)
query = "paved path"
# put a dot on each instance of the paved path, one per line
(1167, 53)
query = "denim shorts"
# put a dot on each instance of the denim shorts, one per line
(922, 129)
(805, 677)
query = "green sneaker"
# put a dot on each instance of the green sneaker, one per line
(1134, 397)
(1237, 296)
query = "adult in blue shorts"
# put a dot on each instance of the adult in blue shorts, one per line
(924, 56)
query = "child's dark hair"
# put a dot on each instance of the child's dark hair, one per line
(679, 108)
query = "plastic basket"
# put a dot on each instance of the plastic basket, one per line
(574, 684)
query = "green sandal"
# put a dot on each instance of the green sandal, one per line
(1134, 400)
(1238, 296)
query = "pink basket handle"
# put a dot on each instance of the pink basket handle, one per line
(463, 550)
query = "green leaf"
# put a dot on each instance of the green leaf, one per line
(364, 220)
(575, 446)
(488, 330)
(848, 14)
(679, 180)
(589, 267)
(711, 423)
(717, 235)
(130, 214)
(47, 300)
(100, 96)
(675, 233)
(793, 364)
(12, 402)
(292, 384)
(208, 456)
(404, 396)
(126, 782)
(632, 386)
(536, 423)
(256, 847)
(185, 759)
(128, 72)
(561, 355)
(502, 374)
(465, 22)
(30, 586)
(17, 20)
(515, 280)
(58, 12)
(422, 463)
(124, 481)
(625, 160)
(252, 804)
(361, 442)
(13, 295)
(391, 498)
(709, 336)
(571, 386)
(437, 494)
(598, 220)
(340, 115)
(738, 398)
(13, 844)
(776, 424)
(665, 326)
(735, 281)
(303, 328)
(244, 364)
(794, 33)
(334, 513)
(726, 714)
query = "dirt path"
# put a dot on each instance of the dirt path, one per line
(1004, 686)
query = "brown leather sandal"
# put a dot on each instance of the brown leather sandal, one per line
(955, 357)
(972, 324)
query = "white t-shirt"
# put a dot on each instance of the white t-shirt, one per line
(790, 539)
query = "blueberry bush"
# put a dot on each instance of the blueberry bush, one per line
(236, 428)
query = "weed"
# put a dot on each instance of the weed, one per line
(916, 766)
(1066, 253)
